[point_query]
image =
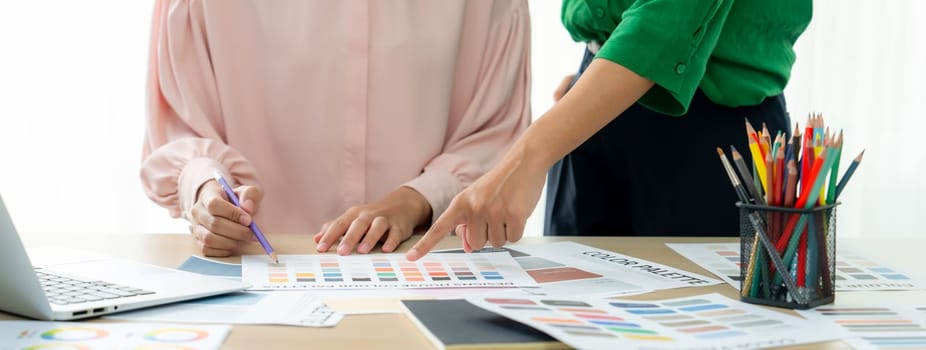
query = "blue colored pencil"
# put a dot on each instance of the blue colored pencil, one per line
(845, 177)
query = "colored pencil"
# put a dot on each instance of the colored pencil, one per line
(750, 269)
(831, 190)
(747, 179)
(758, 154)
(802, 261)
(845, 177)
(791, 185)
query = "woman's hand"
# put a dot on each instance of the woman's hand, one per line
(494, 208)
(393, 218)
(218, 225)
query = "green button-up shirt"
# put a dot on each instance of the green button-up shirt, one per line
(737, 51)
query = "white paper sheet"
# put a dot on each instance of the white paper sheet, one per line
(293, 308)
(876, 326)
(854, 271)
(82, 335)
(383, 271)
(709, 321)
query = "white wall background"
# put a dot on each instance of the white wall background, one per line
(72, 79)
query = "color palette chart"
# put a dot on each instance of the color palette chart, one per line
(384, 271)
(854, 271)
(876, 327)
(87, 336)
(700, 322)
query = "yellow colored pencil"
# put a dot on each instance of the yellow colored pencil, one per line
(758, 159)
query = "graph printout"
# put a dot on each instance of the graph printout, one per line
(854, 271)
(384, 271)
(876, 326)
(36, 335)
(709, 321)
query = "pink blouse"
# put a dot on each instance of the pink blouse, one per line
(331, 104)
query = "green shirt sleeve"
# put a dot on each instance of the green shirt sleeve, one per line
(668, 42)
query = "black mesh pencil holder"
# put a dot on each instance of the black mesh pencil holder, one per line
(787, 255)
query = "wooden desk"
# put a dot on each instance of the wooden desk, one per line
(396, 331)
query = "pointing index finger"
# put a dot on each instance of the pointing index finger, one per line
(444, 224)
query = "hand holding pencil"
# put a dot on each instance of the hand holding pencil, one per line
(220, 227)
(251, 225)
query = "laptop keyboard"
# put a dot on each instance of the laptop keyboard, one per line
(63, 290)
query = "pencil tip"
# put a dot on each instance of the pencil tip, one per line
(719, 151)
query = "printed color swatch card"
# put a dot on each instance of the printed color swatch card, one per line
(877, 327)
(853, 271)
(384, 271)
(34, 335)
(699, 322)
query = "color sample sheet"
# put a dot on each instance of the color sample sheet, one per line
(854, 271)
(35, 335)
(383, 271)
(876, 327)
(709, 321)
(573, 269)
(294, 308)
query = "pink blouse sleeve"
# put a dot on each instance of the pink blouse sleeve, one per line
(184, 140)
(485, 120)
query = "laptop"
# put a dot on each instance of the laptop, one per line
(84, 286)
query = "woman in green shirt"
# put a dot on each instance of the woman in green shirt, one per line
(680, 77)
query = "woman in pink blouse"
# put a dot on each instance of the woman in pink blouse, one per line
(353, 120)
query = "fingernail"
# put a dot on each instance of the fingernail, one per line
(412, 254)
(322, 247)
(343, 249)
(245, 219)
(364, 247)
(248, 205)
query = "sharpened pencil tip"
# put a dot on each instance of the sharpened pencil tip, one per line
(719, 151)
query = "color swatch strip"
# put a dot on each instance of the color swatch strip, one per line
(384, 271)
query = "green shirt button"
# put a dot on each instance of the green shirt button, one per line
(599, 13)
(680, 68)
